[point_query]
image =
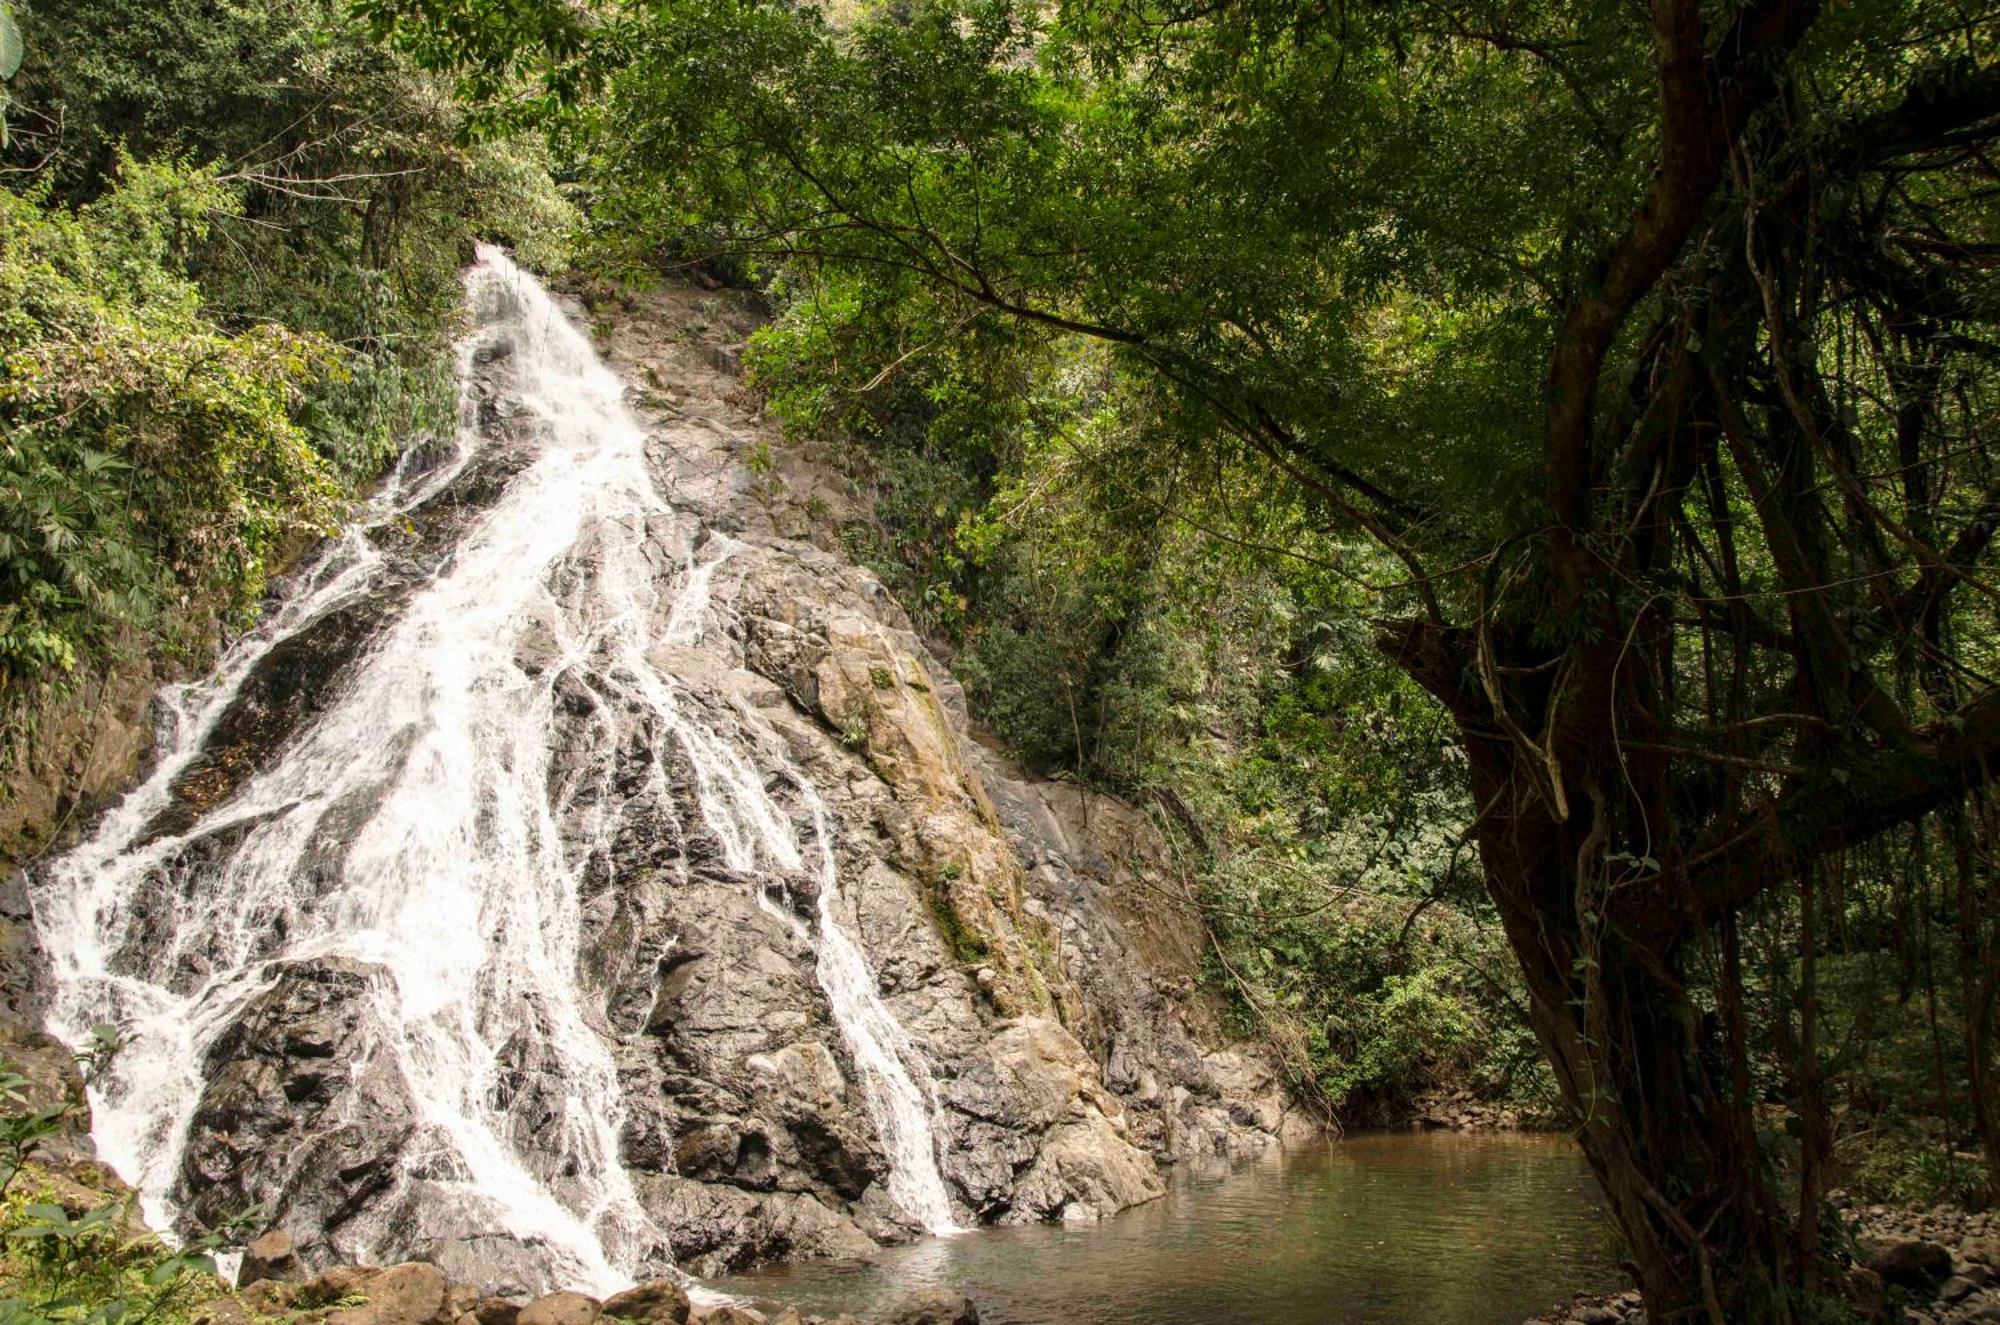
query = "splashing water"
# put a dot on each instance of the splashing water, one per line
(453, 866)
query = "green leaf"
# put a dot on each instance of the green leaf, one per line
(12, 48)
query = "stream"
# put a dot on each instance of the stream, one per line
(1383, 1229)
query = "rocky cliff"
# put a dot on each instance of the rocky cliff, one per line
(740, 769)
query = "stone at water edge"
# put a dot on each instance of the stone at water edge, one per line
(560, 1309)
(728, 1313)
(657, 1302)
(271, 1256)
(933, 1306)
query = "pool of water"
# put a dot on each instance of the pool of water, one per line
(1395, 1229)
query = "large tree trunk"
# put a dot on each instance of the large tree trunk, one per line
(1658, 1083)
(1669, 1135)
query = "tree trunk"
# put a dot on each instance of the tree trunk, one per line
(1671, 1143)
(1658, 1088)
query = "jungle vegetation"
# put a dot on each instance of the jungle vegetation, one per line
(229, 244)
(1511, 483)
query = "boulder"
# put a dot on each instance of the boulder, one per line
(1908, 1262)
(933, 1306)
(658, 1302)
(409, 1294)
(560, 1309)
(727, 1313)
(336, 1282)
(496, 1311)
(271, 1256)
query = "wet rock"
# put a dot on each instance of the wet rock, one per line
(1908, 1262)
(291, 683)
(270, 1256)
(657, 1302)
(933, 1306)
(301, 1113)
(560, 1309)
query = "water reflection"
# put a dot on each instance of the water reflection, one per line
(1437, 1229)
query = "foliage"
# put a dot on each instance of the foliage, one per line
(93, 1269)
(1102, 633)
(97, 1266)
(10, 60)
(22, 1130)
(254, 217)
(150, 457)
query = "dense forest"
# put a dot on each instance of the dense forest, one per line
(1508, 488)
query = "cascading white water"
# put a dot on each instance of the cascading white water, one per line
(453, 874)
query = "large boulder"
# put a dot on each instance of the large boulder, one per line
(408, 1294)
(560, 1309)
(657, 1302)
(728, 1313)
(303, 1113)
(270, 1256)
(1910, 1263)
(1043, 1139)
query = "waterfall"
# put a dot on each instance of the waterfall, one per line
(416, 823)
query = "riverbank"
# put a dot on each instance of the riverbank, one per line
(1911, 1267)
(276, 1287)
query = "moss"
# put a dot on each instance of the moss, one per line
(967, 944)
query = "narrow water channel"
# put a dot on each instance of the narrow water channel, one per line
(1394, 1229)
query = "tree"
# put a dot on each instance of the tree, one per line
(1654, 342)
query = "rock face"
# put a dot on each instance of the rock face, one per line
(1024, 973)
(1016, 928)
(300, 1111)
